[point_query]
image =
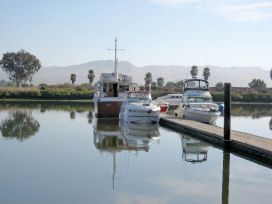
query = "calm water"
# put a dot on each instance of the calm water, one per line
(61, 154)
(254, 119)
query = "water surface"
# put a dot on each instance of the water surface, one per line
(249, 118)
(62, 154)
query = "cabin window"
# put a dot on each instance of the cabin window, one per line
(104, 87)
(199, 100)
(191, 84)
(203, 85)
(123, 88)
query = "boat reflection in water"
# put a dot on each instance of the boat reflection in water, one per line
(194, 151)
(139, 136)
(111, 137)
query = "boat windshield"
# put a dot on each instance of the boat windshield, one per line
(199, 100)
(142, 100)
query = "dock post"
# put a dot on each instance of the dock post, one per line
(227, 114)
(225, 177)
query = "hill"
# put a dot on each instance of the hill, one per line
(238, 76)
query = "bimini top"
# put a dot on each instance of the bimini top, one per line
(196, 84)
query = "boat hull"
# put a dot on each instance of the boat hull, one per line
(202, 116)
(107, 109)
(140, 116)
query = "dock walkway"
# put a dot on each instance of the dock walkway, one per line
(248, 145)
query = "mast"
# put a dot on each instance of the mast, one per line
(115, 56)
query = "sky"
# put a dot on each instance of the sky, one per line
(153, 32)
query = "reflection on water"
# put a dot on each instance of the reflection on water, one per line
(72, 115)
(19, 124)
(85, 159)
(111, 136)
(90, 117)
(193, 150)
(252, 110)
(250, 118)
(44, 106)
(225, 177)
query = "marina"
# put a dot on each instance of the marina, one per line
(177, 110)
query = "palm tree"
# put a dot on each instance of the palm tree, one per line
(73, 78)
(160, 81)
(206, 73)
(148, 79)
(194, 71)
(91, 76)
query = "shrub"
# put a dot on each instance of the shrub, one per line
(13, 92)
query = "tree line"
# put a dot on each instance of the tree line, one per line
(161, 83)
(21, 66)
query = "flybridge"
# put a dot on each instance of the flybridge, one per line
(196, 84)
(111, 77)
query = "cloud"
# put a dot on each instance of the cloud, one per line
(237, 10)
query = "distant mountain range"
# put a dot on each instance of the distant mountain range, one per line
(238, 76)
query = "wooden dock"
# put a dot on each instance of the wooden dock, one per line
(247, 145)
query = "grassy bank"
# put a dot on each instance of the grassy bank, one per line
(85, 94)
(48, 93)
(244, 95)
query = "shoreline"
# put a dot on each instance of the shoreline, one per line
(48, 100)
(91, 101)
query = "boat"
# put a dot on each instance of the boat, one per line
(111, 91)
(163, 105)
(197, 103)
(221, 108)
(138, 107)
(170, 99)
(193, 151)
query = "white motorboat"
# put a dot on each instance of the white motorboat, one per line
(171, 99)
(139, 108)
(197, 103)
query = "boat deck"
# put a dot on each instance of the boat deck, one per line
(251, 146)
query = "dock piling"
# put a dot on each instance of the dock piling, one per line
(227, 114)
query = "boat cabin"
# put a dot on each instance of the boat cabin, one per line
(196, 84)
(112, 86)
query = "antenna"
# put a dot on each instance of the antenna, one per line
(129, 63)
(115, 56)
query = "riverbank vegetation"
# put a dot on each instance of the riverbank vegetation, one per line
(53, 92)
(247, 95)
